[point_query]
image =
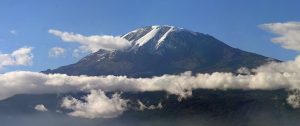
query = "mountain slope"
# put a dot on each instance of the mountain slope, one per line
(205, 108)
(157, 50)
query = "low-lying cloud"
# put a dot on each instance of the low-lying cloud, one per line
(20, 57)
(96, 105)
(285, 75)
(94, 42)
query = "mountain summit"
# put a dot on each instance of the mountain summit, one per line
(158, 50)
(151, 36)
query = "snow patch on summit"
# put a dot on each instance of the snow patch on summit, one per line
(164, 36)
(139, 37)
(143, 40)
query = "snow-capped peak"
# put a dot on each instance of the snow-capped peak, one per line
(155, 33)
(148, 36)
(155, 26)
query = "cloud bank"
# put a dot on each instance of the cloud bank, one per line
(20, 57)
(288, 33)
(285, 75)
(92, 43)
(56, 52)
(25, 82)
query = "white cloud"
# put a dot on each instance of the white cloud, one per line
(56, 52)
(96, 105)
(289, 34)
(243, 70)
(267, 77)
(92, 43)
(41, 108)
(22, 56)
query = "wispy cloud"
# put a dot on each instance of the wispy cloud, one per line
(289, 34)
(13, 32)
(22, 56)
(77, 53)
(56, 52)
(94, 42)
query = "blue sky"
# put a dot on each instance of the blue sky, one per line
(26, 23)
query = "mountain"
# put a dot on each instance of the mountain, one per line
(157, 50)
